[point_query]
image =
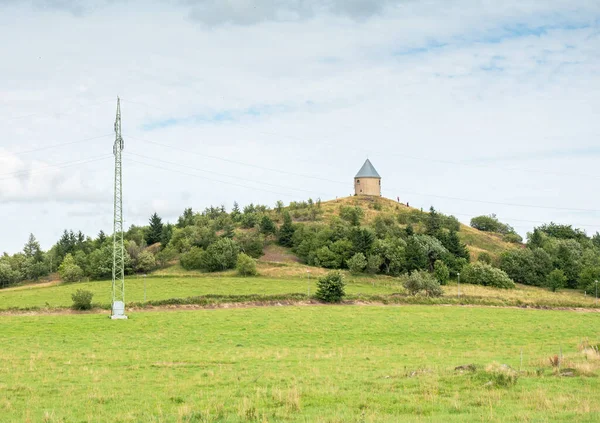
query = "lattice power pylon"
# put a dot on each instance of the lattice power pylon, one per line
(118, 274)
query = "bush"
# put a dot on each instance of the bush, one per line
(513, 238)
(69, 271)
(352, 214)
(330, 288)
(484, 274)
(374, 262)
(422, 281)
(556, 280)
(357, 263)
(246, 266)
(192, 260)
(441, 272)
(498, 375)
(484, 258)
(82, 299)
(145, 262)
(221, 255)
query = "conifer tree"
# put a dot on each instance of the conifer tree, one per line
(155, 232)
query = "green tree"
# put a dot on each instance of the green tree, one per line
(374, 262)
(423, 282)
(251, 243)
(433, 224)
(166, 234)
(155, 231)
(485, 257)
(8, 276)
(221, 255)
(286, 231)
(357, 263)
(331, 287)
(69, 271)
(267, 226)
(192, 259)
(246, 265)
(484, 274)
(279, 206)
(146, 262)
(186, 219)
(441, 272)
(556, 280)
(352, 214)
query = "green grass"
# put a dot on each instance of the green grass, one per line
(162, 288)
(293, 364)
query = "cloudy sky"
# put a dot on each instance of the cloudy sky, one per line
(475, 107)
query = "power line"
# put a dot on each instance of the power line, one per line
(211, 179)
(221, 174)
(64, 112)
(55, 146)
(56, 165)
(238, 162)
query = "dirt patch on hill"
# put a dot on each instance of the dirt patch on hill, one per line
(278, 254)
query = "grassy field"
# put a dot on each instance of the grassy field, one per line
(161, 288)
(182, 284)
(300, 364)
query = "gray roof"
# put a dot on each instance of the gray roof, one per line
(367, 171)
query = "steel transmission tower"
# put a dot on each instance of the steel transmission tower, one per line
(118, 274)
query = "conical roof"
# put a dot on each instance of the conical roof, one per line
(367, 171)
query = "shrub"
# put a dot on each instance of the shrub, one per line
(330, 288)
(246, 266)
(498, 375)
(192, 260)
(145, 262)
(69, 271)
(441, 272)
(82, 299)
(556, 280)
(513, 238)
(352, 214)
(484, 274)
(484, 258)
(357, 263)
(374, 262)
(422, 281)
(221, 255)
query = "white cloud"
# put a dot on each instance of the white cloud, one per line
(309, 88)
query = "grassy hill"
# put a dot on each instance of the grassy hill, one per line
(477, 241)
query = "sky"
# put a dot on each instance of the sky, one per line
(474, 107)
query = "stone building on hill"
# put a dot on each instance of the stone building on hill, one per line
(367, 181)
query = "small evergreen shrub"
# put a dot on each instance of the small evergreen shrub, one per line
(484, 274)
(82, 299)
(330, 288)
(357, 263)
(246, 266)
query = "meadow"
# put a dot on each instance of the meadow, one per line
(301, 364)
(283, 283)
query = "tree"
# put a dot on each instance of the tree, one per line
(101, 238)
(8, 276)
(352, 214)
(421, 281)
(279, 206)
(166, 234)
(221, 255)
(246, 266)
(267, 226)
(331, 287)
(484, 274)
(286, 231)
(362, 239)
(491, 224)
(441, 272)
(32, 249)
(186, 219)
(357, 263)
(433, 224)
(69, 271)
(146, 262)
(556, 280)
(192, 259)
(485, 257)
(155, 231)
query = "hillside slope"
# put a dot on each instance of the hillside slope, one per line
(477, 241)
